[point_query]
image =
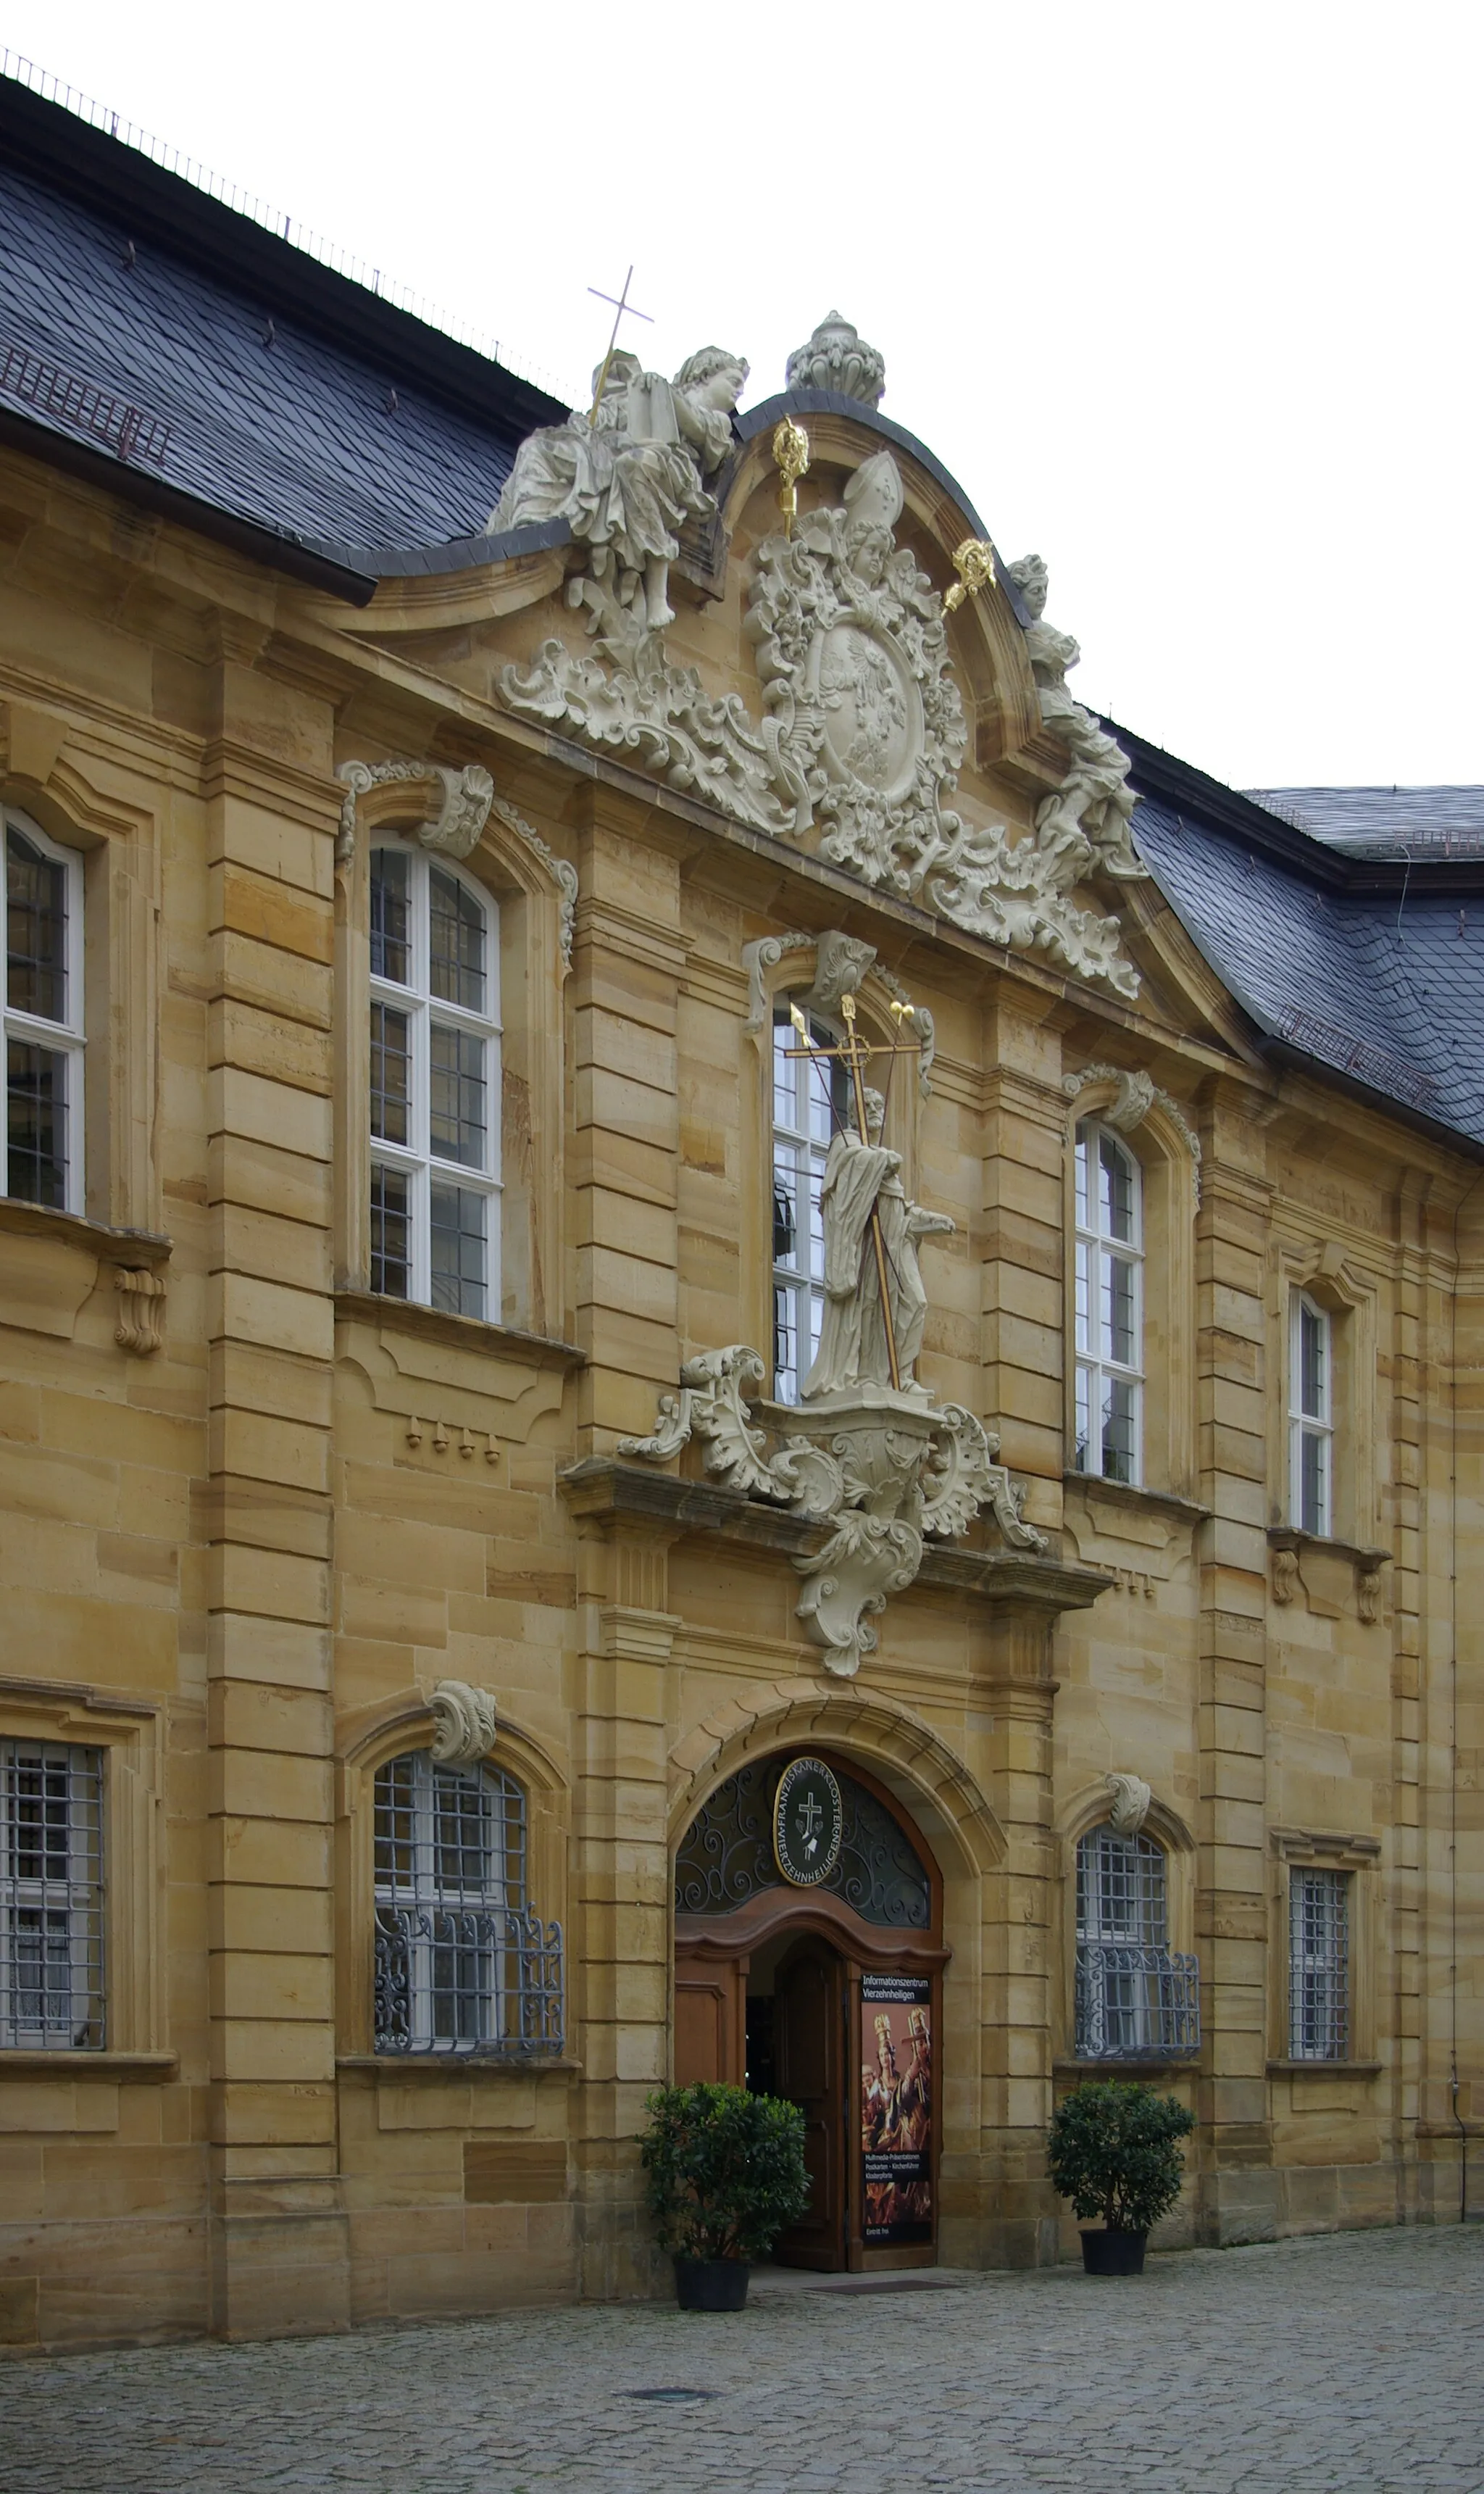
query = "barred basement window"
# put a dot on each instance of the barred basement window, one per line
(462, 1963)
(1311, 1432)
(51, 1937)
(1318, 1965)
(1136, 1998)
(43, 1018)
(435, 1085)
(1109, 1305)
(809, 1107)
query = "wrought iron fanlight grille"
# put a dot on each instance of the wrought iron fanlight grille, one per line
(726, 1854)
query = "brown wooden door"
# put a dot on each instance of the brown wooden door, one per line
(710, 2012)
(808, 2041)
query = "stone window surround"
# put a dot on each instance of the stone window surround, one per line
(1093, 1362)
(1359, 1856)
(66, 1037)
(365, 1741)
(1155, 1131)
(129, 1731)
(1163, 1826)
(1322, 1271)
(47, 789)
(534, 917)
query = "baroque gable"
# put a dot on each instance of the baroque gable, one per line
(840, 724)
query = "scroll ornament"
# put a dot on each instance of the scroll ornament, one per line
(1128, 1803)
(464, 1724)
(140, 1310)
(886, 1474)
(1134, 1098)
(862, 736)
(466, 801)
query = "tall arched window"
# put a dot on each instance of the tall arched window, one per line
(462, 1964)
(434, 1084)
(43, 1016)
(807, 1104)
(1311, 1418)
(1136, 1998)
(1109, 1305)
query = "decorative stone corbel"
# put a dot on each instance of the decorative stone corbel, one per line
(459, 823)
(1128, 1803)
(1284, 1573)
(1368, 1587)
(1135, 1095)
(895, 1471)
(845, 963)
(464, 1724)
(140, 1310)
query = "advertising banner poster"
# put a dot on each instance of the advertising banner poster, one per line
(897, 2111)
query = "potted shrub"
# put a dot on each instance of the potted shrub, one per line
(726, 2175)
(1114, 2152)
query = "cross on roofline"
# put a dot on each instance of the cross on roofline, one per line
(621, 304)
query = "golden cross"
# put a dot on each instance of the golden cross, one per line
(855, 1054)
(621, 304)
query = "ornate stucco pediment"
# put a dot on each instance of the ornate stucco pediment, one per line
(855, 743)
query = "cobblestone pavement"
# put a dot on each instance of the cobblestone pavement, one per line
(1348, 2364)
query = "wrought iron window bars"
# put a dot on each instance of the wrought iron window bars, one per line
(51, 1923)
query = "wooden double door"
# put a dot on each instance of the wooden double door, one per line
(814, 2015)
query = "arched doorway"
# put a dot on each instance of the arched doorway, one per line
(808, 1962)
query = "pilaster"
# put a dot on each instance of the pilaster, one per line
(278, 2236)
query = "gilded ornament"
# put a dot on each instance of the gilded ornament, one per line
(974, 562)
(791, 458)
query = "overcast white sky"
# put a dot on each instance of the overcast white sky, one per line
(1188, 297)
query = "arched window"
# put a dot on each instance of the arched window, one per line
(1311, 1418)
(1109, 1305)
(44, 1035)
(434, 1084)
(809, 1104)
(1136, 1998)
(463, 1966)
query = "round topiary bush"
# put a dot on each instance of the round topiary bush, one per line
(1113, 2152)
(726, 2170)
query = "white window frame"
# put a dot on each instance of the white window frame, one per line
(1316, 1428)
(803, 1281)
(415, 1158)
(67, 1038)
(1094, 1248)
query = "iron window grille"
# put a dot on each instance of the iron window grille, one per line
(1110, 1314)
(462, 1963)
(1311, 1418)
(52, 1917)
(1135, 1997)
(805, 1115)
(434, 1084)
(1318, 1965)
(43, 1018)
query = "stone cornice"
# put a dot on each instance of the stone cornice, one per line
(466, 1333)
(601, 1490)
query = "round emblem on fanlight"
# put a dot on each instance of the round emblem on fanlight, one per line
(807, 1823)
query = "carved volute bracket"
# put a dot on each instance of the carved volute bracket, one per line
(463, 802)
(140, 1310)
(1290, 1546)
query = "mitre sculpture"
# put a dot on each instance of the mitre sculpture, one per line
(628, 476)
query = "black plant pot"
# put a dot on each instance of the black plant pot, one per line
(710, 2285)
(1113, 2252)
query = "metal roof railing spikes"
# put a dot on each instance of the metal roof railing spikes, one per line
(289, 228)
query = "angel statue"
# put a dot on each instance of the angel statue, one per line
(628, 479)
(861, 1178)
(1084, 823)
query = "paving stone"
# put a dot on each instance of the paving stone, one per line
(1342, 2364)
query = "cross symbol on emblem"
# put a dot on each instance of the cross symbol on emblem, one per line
(810, 1815)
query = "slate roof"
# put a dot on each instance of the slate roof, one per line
(1385, 822)
(274, 375)
(1373, 970)
(1348, 923)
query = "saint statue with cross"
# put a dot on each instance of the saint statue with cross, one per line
(875, 1304)
(627, 472)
